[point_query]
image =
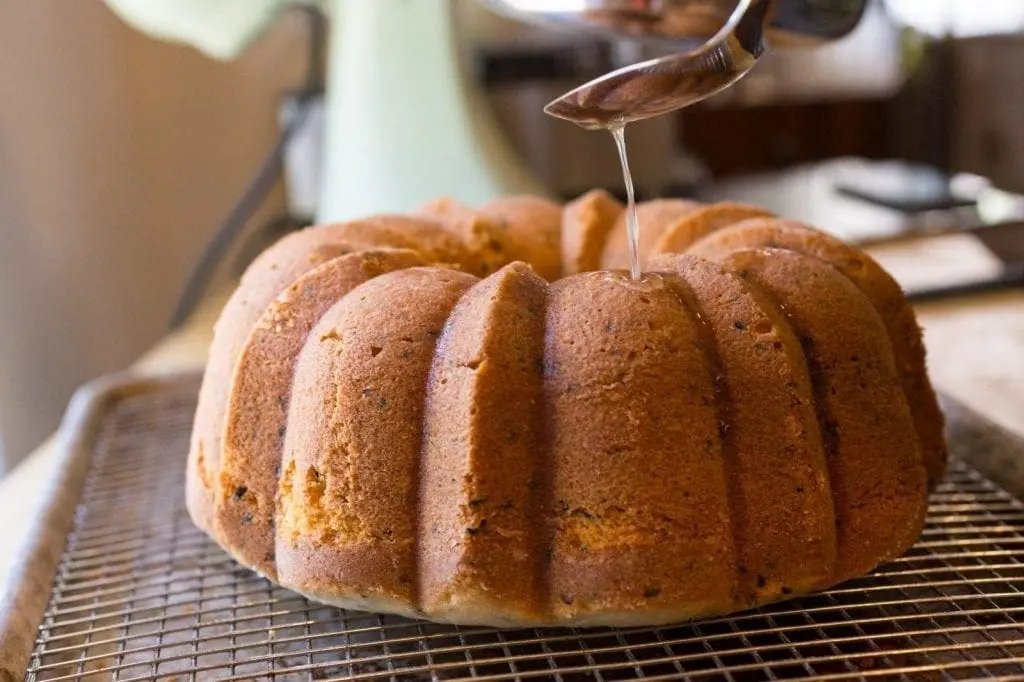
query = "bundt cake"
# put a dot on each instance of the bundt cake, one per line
(458, 415)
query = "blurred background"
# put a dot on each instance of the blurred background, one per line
(121, 156)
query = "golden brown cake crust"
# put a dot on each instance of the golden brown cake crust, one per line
(269, 274)
(534, 226)
(260, 395)
(655, 218)
(878, 483)
(884, 293)
(587, 223)
(489, 246)
(725, 432)
(775, 465)
(683, 232)
(637, 489)
(348, 492)
(429, 238)
(480, 520)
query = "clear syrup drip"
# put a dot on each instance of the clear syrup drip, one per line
(618, 131)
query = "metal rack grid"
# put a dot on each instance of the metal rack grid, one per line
(141, 594)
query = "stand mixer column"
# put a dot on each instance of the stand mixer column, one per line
(403, 126)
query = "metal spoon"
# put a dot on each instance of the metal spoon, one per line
(717, 42)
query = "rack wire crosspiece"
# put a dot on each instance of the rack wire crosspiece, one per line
(141, 594)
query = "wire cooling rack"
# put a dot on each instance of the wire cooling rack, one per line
(141, 594)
